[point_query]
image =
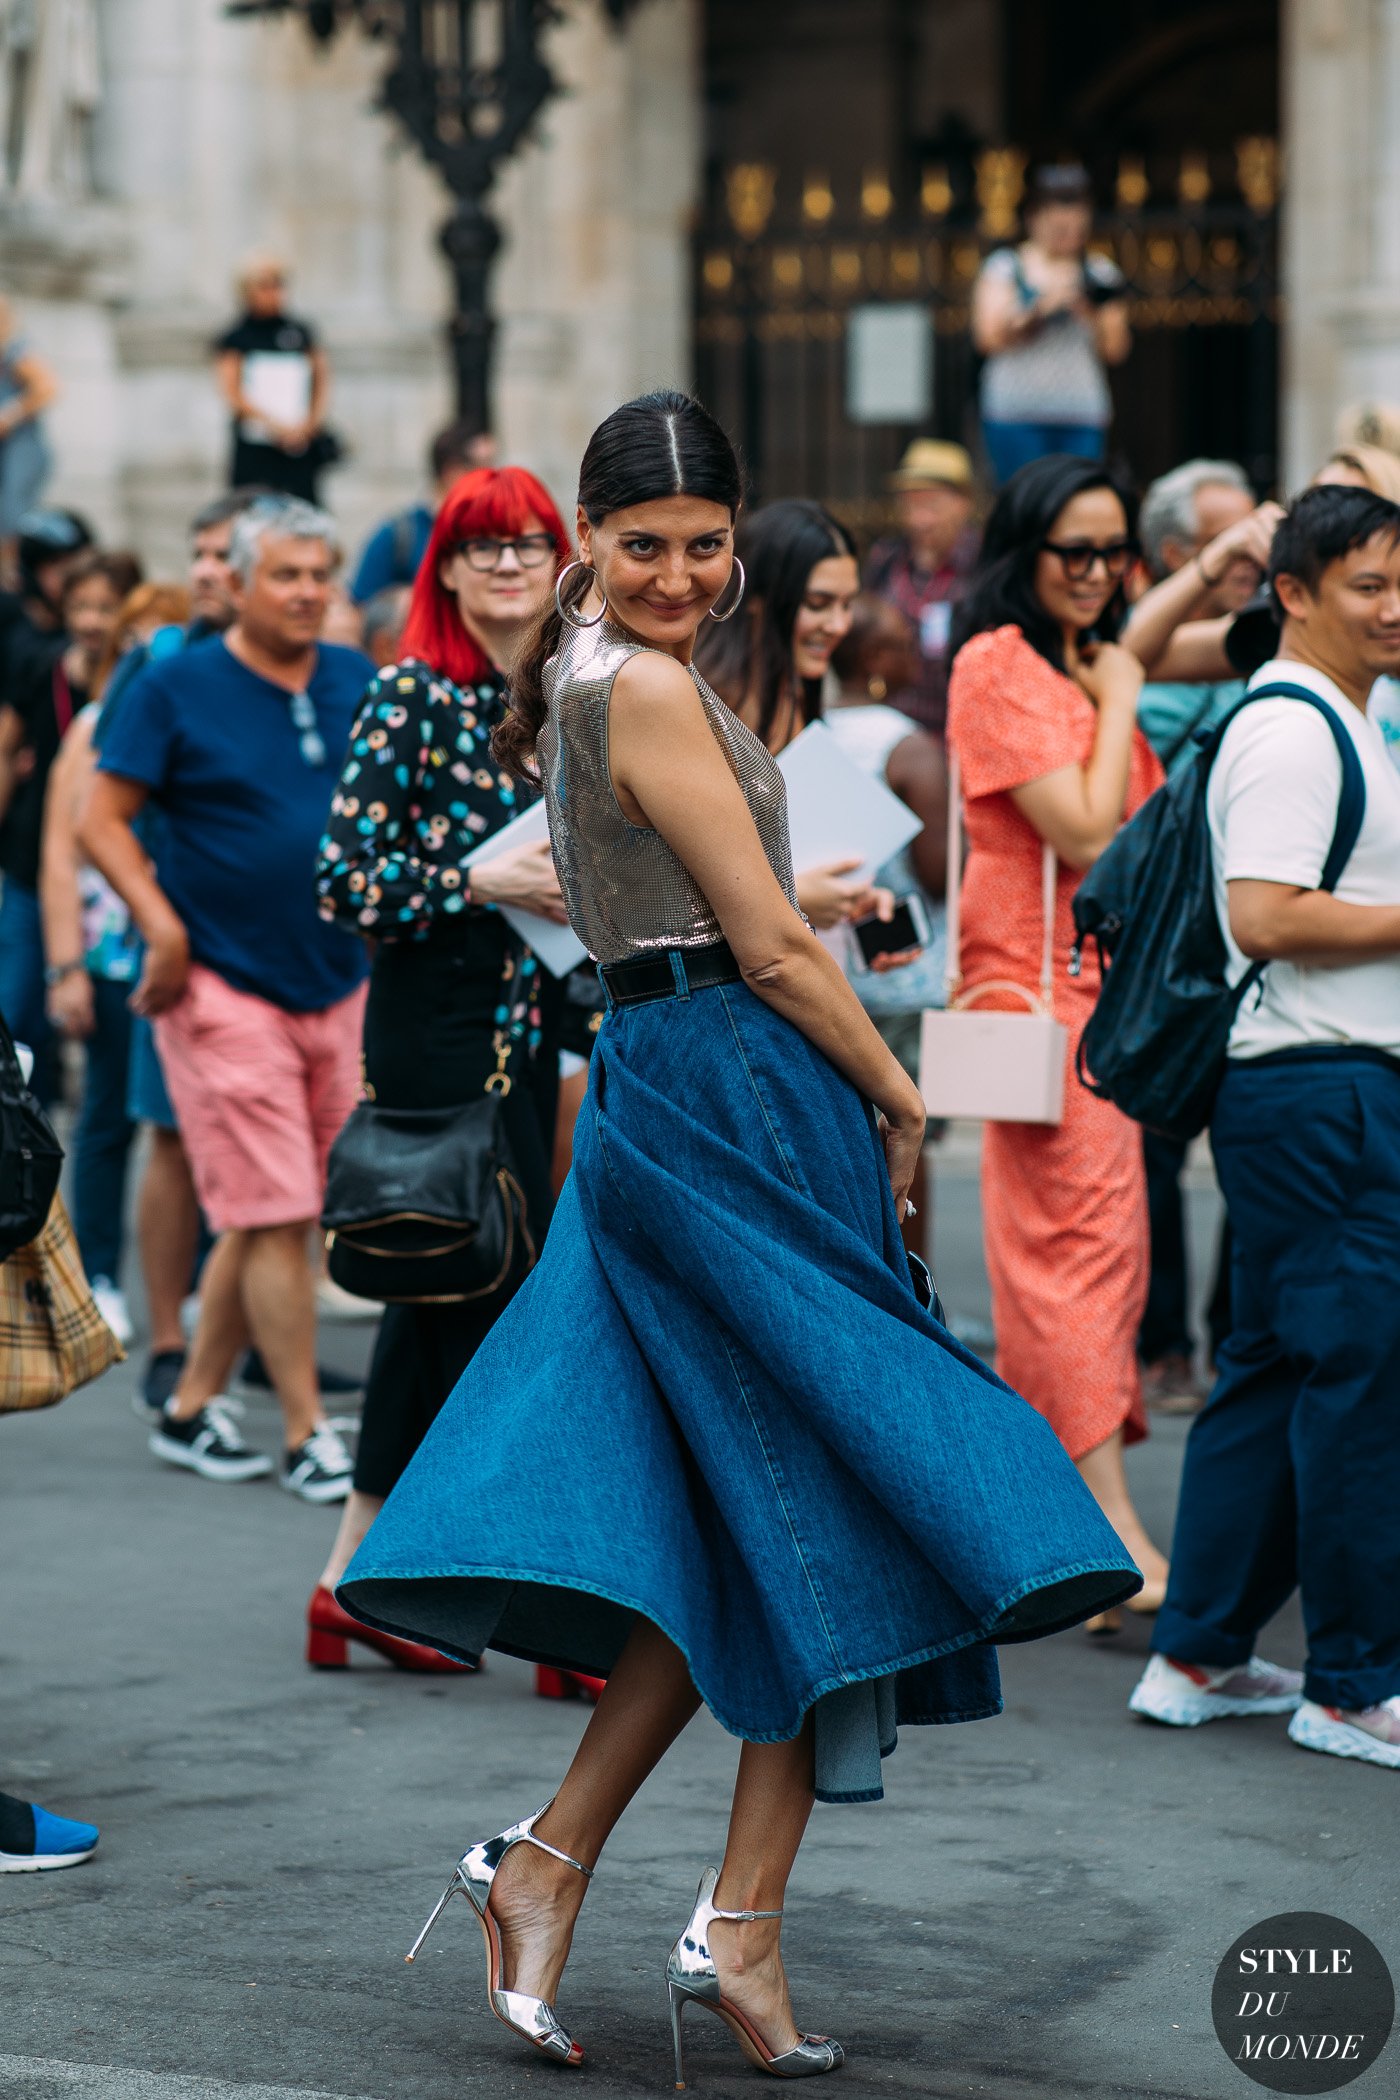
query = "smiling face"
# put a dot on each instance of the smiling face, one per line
(661, 566)
(282, 607)
(1351, 624)
(498, 600)
(1093, 520)
(824, 616)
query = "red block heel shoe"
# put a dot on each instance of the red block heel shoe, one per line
(330, 1630)
(567, 1684)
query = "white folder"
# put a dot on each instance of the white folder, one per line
(557, 946)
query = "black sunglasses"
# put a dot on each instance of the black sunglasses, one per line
(1078, 558)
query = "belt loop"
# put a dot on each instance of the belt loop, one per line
(603, 982)
(677, 961)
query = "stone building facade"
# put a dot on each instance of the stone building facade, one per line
(146, 145)
(205, 137)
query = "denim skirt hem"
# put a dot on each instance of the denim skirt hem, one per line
(717, 1404)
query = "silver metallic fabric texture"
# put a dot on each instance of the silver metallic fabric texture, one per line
(626, 892)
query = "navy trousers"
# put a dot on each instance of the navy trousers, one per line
(1292, 1472)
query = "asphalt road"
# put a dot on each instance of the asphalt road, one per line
(1036, 1909)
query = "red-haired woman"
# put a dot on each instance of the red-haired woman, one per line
(419, 791)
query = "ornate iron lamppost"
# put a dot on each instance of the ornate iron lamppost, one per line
(466, 80)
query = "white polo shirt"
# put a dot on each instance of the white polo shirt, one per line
(1272, 803)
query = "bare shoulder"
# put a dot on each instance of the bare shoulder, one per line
(651, 689)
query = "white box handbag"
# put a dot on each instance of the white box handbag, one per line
(1002, 1067)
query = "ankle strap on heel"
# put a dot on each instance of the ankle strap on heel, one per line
(742, 1917)
(525, 1835)
(577, 1864)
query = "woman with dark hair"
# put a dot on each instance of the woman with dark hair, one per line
(1042, 708)
(771, 1481)
(1047, 317)
(451, 984)
(771, 663)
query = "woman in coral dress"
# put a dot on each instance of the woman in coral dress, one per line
(1042, 719)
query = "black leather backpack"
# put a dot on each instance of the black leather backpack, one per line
(1155, 1043)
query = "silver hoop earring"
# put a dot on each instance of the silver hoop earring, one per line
(559, 606)
(739, 596)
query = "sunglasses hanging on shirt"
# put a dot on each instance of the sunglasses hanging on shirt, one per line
(313, 744)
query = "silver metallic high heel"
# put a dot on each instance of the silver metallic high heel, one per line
(530, 2018)
(693, 1979)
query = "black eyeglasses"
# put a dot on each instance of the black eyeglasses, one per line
(1078, 558)
(313, 744)
(532, 551)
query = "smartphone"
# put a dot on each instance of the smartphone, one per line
(907, 929)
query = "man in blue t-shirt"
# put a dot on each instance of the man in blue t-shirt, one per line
(257, 1003)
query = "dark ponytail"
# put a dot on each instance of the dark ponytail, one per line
(663, 444)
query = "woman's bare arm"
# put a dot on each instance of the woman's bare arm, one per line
(1112, 333)
(670, 773)
(918, 774)
(1077, 809)
(60, 906)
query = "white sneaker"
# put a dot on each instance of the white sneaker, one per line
(321, 1469)
(1183, 1694)
(1373, 1734)
(112, 1305)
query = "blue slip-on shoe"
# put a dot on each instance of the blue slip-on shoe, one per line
(32, 1840)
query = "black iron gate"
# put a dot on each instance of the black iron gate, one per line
(778, 277)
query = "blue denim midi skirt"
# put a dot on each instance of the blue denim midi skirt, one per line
(717, 1402)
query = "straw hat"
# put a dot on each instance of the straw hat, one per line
(931, 461)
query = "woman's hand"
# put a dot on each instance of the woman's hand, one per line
(902, 1135)
(70, 1004)
(1110, 674)
(523, 876)
(830, 898)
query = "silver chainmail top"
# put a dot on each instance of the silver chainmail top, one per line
(625, 890)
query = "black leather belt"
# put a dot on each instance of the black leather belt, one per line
(671, 975)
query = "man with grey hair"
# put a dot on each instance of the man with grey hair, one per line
(257, 1003)
(1182, 512)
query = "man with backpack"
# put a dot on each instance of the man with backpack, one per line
(1292, 1472)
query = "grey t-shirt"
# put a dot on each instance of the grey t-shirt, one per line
(1056, 375)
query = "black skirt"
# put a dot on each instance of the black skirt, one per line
(429, 1029)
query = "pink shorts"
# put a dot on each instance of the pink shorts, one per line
(260, 1096)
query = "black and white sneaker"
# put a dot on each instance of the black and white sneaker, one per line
(208, 1444)
(158, 1382)
(321, 1469)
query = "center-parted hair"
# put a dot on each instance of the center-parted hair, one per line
(663, 444)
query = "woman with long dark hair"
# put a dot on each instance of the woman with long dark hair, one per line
(451, 982)
(1042, 720)
(770, 1480)
(770, 664)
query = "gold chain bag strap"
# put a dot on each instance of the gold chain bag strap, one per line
(998, 1067)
